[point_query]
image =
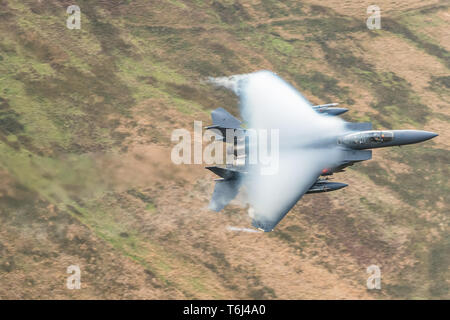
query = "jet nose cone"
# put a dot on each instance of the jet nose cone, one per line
(432, 135)
(424, 135)
(412, 136)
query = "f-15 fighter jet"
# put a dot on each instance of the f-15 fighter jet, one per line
(313, 144)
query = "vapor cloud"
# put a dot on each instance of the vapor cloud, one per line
(238, 229)
(307, 142)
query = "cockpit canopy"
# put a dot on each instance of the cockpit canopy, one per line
(368, 138)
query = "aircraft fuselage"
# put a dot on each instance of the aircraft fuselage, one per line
(386, 138)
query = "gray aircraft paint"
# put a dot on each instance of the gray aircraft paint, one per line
(311, 141)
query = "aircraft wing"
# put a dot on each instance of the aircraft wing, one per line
(269, 103)
(272, 196)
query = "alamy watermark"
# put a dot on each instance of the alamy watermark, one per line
(74, 280)
(374, 280)
(74, 20)
(243, 146)
(374, 20)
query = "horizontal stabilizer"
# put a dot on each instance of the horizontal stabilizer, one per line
(223, 119)
(227, 174)
(224, 192)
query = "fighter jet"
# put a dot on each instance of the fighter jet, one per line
(313, 145)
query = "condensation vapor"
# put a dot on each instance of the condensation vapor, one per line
(239, 229)
(307, 141)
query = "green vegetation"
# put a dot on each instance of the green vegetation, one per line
(68, 95)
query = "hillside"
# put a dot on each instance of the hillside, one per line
(86, 178)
